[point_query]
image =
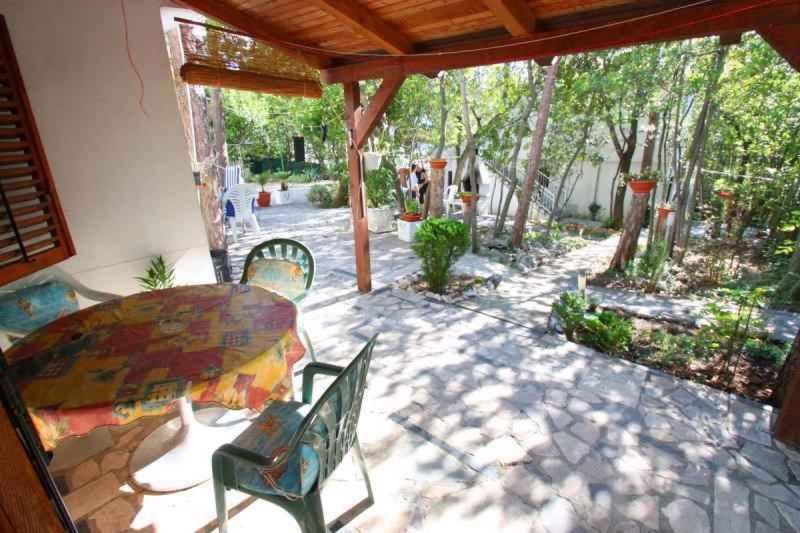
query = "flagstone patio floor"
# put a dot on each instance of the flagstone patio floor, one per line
(480, 421)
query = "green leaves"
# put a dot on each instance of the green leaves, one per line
(439, 243)
(159, 275)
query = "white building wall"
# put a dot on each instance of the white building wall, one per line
(124, 178)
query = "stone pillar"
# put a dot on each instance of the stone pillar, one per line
(435, 196)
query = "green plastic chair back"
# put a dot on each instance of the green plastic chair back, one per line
(329, 429)
(282, 265)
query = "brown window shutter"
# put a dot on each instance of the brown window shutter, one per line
(33, 231)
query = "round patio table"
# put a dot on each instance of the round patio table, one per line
(150, 354)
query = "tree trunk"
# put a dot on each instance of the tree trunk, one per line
(649, 149)
(470, 213)
(534, 160)
(563, 182)
(522, 127)
(630, 232)
(625, 151)
(683, 213)
(787, 394)
(216, 126)
(442, 117)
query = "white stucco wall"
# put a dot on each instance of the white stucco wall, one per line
(124, 178)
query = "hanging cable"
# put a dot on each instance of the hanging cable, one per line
(130, 59)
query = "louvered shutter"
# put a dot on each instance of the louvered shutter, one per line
(33, 231)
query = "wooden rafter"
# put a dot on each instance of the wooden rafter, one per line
(367, 119)
(257, 29)
(515, 15)
(784, 39)
(362, 20)
(248, 81)
(695, 21)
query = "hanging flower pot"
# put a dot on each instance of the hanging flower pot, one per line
(263, 199)
(438, 164)
(642, 186)
(664, 211)
(467, 198)
(725, 195)
(372, 160)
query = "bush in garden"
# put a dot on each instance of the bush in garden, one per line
(342, 198)
(321, 196)
(651, 265)
(439, 243)
(602, 330)
(380, 187)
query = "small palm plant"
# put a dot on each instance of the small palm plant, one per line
(159, 275)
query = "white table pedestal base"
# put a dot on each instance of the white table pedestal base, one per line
(177, 455)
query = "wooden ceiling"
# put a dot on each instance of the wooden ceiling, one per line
(425, 36)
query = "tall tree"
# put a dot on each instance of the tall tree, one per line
(534, 160)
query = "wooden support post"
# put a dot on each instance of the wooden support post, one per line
(358, 205)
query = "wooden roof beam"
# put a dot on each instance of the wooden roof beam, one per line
(248, 81)
(783, 38)
(515, 15)
(256, 28)
(362, 20)
(730, 38)
(690, 22)
(367, 119)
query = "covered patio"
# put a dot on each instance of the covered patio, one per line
(488, 424)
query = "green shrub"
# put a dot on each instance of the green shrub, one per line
(412, 206)
(342, 191)
(571, 308)
(281, 175)
(321, 196)
(380, 187)
(439, 243)
(651, 265)
(671, 349)
(607, 332)
(604, 331)
(760, 349)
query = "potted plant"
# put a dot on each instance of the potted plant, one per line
(412, 213)
(380, 195)
(264, 195)
(468, 197)
(643, 183)
(664, 210)
(281, 197)
(594, 209)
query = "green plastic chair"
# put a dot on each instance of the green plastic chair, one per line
(289, 451)
(284, 266)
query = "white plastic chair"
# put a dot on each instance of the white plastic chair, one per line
(451, 199)
(241, 196)
(233, 176)
(45, 276)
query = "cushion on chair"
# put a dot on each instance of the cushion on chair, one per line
(30, 308)
(279, 275)
(268, 436)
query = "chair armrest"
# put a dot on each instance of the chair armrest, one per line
(244, 456)
(313, 369)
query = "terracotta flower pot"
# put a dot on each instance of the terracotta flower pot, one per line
(466, 198)
(725, 195)
(642, 186)
(263, 199)
(663, 212)
(411, 217)
(438, 163)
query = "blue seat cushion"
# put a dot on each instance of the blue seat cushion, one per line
(30, 308)
(268, 436)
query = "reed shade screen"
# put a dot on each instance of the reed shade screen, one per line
(218, 57)
(33, 231)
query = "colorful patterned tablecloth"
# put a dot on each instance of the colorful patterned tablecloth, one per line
(118, 361)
